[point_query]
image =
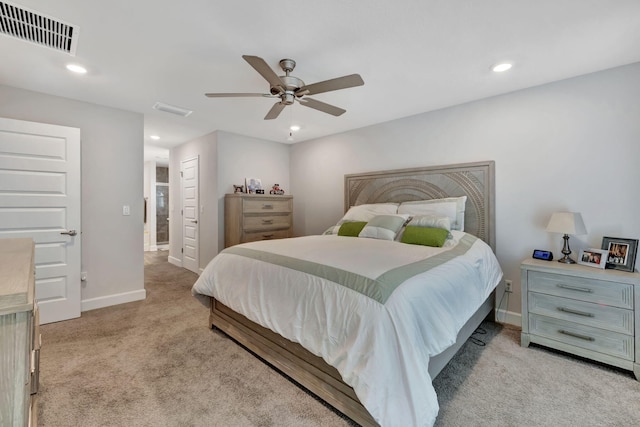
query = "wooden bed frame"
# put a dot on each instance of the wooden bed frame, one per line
(475, 180)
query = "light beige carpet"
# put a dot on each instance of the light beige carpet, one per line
(156, 363)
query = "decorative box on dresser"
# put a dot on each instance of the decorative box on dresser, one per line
(251, 217)
(19, 334)
(582, 310)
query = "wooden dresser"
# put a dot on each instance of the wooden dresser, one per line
(251, 217)
(19, 334)
(582, 310)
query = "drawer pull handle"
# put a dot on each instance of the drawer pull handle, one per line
(267, 221)
(578, 312)
(265, 206)
(574, 288)
(573, 334)
(267, 236)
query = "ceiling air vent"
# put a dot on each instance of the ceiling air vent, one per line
(28, 25)
(167, 108)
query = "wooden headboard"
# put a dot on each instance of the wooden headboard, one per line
(474, 180)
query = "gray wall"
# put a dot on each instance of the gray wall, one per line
(570, 145)
(243, 157)
(112, 165)
(225, 159)
(205, 148)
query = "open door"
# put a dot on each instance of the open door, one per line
(40, 199)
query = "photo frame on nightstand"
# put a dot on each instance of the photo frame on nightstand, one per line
(622, 253)
(593, 257)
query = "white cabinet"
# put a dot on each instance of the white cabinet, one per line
(582, 310)
(19, 334)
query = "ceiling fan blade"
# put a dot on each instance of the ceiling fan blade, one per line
(321, 106)
(333, 84)
(263, 68)
(237, 95)
(275, 111)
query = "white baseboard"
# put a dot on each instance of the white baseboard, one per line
(509, 318)
(109, 300)
(175, 261)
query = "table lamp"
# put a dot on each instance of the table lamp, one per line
(566, 223)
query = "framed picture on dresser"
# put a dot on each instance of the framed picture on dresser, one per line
(622, 253)
(593, 257)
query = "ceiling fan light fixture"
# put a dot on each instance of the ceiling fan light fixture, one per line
(502, 67)
(289, 88)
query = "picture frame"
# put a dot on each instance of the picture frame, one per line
(253, 185)
(593, 257)
(622, 253)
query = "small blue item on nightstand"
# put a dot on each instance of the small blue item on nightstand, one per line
(544, 255)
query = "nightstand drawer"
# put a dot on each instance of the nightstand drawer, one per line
(266, 235)
(599, 316)
(594, 339)
(271, 222)
(582, 288)
(266, 205)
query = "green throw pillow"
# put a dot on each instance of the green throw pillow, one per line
(424, 236)
(351, 228)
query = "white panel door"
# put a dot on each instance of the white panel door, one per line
(40, 199)
(190, 246)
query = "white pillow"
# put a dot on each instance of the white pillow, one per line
(431, 221)
(368, 211)
(384, 227)
(451, 207)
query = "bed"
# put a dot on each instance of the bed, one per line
(357, 334)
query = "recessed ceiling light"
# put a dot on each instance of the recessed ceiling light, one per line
(76, 68)
(294, 128)
(156, 137)
(499, 68)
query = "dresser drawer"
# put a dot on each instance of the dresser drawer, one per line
(581, 288)
(267, 222)
(586, 313)
(256, 205)
(250, 217)
(594, 339)
(266, 235)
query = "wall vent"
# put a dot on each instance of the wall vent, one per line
(28, 25)
(161, 106)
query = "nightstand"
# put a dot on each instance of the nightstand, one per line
(582, 310)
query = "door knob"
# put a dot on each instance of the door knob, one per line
(195, 221)
(69, 232)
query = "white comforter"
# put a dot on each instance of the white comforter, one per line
(381, 348)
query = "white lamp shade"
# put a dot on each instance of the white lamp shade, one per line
(566, 223)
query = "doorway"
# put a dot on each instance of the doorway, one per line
(162, 207)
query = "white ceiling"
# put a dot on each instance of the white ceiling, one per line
(414, 56)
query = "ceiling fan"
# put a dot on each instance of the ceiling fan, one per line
(290, 88)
